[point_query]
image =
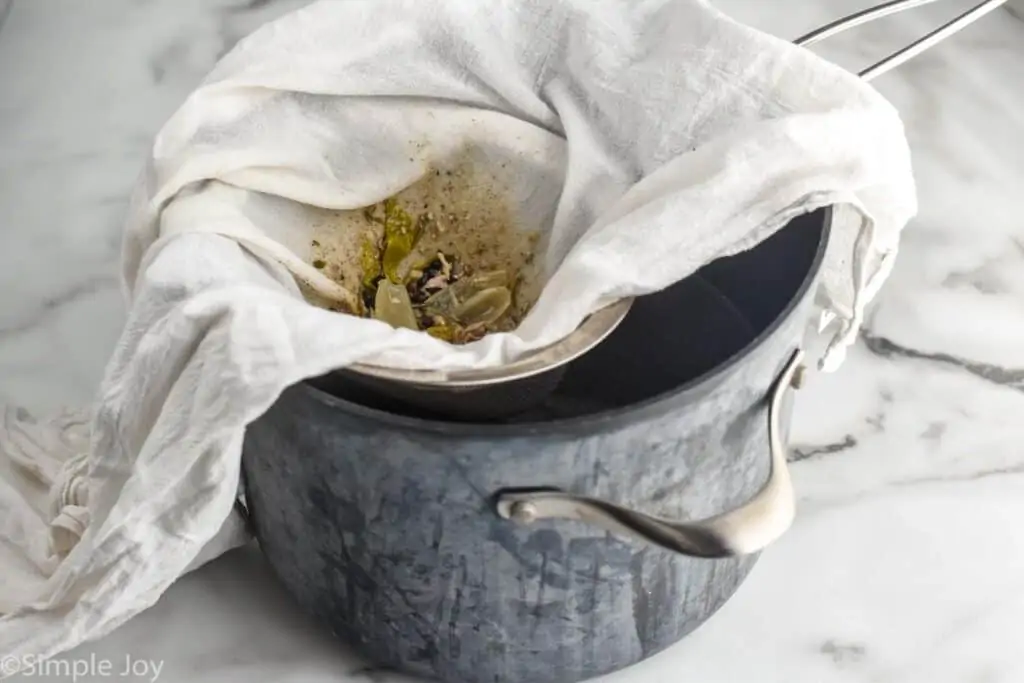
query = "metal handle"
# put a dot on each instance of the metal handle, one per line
(910, 51)
(746, 529)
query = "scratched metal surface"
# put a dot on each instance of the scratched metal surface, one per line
(385, 529)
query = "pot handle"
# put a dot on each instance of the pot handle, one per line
(743, 530)
(910, 51)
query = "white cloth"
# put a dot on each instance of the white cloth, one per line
(653, 136)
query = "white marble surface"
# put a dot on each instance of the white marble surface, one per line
(906, 564)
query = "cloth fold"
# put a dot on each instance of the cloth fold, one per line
(645, 138)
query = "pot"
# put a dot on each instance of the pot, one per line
(526, 550)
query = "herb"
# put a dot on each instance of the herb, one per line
(448, 300)
(369, 261)
(440, 295)
(483, 308)
(400, 236)
(443, 330)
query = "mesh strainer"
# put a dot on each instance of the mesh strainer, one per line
(511, 388)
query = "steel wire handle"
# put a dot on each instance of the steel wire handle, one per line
(894, 7)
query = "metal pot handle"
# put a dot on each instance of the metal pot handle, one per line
(743, 530)
(910, 51)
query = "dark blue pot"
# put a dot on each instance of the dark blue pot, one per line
(387, 528)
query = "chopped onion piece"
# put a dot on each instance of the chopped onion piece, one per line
(392, 305)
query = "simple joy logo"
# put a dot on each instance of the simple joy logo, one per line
(74, 669)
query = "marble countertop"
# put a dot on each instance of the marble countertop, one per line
(906, 563)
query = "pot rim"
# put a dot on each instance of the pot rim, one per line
(604, 419)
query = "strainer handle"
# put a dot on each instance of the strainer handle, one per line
(910, 51)
(741, 531)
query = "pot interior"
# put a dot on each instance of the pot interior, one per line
(674, 336)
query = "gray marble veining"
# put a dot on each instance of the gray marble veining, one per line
(5, 10)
